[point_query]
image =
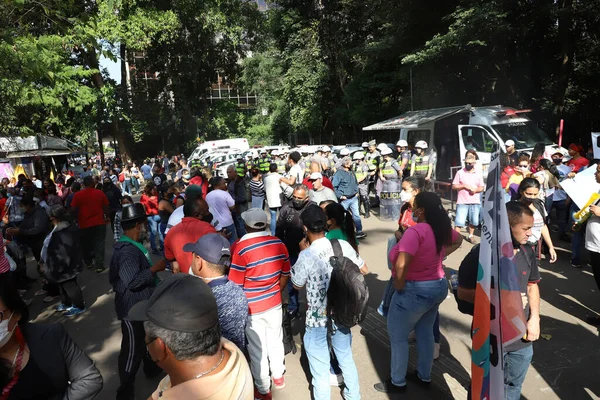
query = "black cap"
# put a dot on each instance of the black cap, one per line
(314, 218)
(211, 247)
(181, 303)
(133, 212)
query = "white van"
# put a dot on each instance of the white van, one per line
(454, 130)
(214, 145)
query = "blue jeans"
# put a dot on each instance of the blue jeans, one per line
(577, 238)
(293, 293)
(258, 201)
(562, 211)
(126, 186)
(239, 225)
(414, 307)
(516, 364)
(464, 211)
(352, 206)
(273, 212)
(317, 352)
(231, 230)
(153, 221)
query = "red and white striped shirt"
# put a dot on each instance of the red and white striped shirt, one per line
(4, 264)
(258, 262)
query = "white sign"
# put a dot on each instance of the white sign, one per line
(595, 136)
(582, 186)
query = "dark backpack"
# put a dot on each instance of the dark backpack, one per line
(348, 293)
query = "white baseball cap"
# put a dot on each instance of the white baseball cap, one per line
(314, 176)
(386, 151)
(509, 143)
(402, 143)
(359, 155)
(344, 152)
(255, 218)
(421, 144)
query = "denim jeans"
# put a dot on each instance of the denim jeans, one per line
(561, 215)
(153, 221)
(317, 352)
(126, 186)
(516, 364)
(231, 230)
(239, 225)
(258, 201)
(577, 238)
(273, 212)
(414, 307)
(352, 206)
(293, 303)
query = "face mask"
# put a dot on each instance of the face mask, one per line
(191, 272)
(415, 218)
(557, 161)
(469, 167)
(298, 204)
(9, 195)
(405, 196)
(527, 200)
(186, 177)
(5, 335)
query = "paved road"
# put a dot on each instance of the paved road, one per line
(565, 366)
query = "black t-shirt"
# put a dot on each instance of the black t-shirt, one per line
(159, 179)
(527, 271)
(34, 384)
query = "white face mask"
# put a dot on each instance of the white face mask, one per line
(405, 196)
(191, 271)
(5, 335)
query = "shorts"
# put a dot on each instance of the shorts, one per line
(467, 211)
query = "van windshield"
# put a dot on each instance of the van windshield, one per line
(524, 134)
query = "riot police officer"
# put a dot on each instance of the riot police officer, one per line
(263, 162)
(361, 171)
(404, 156)
(422, 162)
(240, 166)
(390, 172)
(372, 159)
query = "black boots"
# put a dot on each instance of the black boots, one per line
(366, 206)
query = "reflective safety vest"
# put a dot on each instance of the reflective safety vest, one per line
(371, 160)
(359, 172)
(263, 164)
(195, 163)
(307, 163)
(421, 164)
(388, 170)
(240, 168)
(281, 166)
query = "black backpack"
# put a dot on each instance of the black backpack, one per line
(348, 293)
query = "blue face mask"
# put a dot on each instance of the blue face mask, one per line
(415, 218)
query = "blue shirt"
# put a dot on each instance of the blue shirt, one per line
(232, 306)
(344, 183)
(146, 171)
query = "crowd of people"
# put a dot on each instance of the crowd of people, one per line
(213, 308)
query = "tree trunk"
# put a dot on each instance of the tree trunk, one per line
(98, 81)
(565, 37)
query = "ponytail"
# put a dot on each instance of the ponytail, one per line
(437, 217)
(344, 220)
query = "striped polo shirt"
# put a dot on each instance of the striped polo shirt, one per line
(257, 263)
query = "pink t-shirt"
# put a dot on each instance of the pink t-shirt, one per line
(475, 179)
(419, 242)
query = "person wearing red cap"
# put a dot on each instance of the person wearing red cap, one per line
(577, 161)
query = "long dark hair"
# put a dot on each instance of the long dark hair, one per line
(436, 217)
(550, 167)
(538, 152)
(526, 184)
(416, 182)
(343, 219)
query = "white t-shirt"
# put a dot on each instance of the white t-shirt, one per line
(298, 172)
(272, 189)
(538, 224)
(175, 218)
(314, 263)
(219, 202)
(592, 234)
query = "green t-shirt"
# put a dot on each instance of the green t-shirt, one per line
(336, 234)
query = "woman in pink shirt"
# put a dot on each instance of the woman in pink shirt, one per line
(420, 286)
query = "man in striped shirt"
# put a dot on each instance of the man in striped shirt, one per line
(260, 265)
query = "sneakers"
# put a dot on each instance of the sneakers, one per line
(336, 379)
(361, 235)
(259, 396)
(436, 351)
(414, 377)
(62, 308)
(73, 311)
(575, 263)
(388, 387)
(279, 383)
